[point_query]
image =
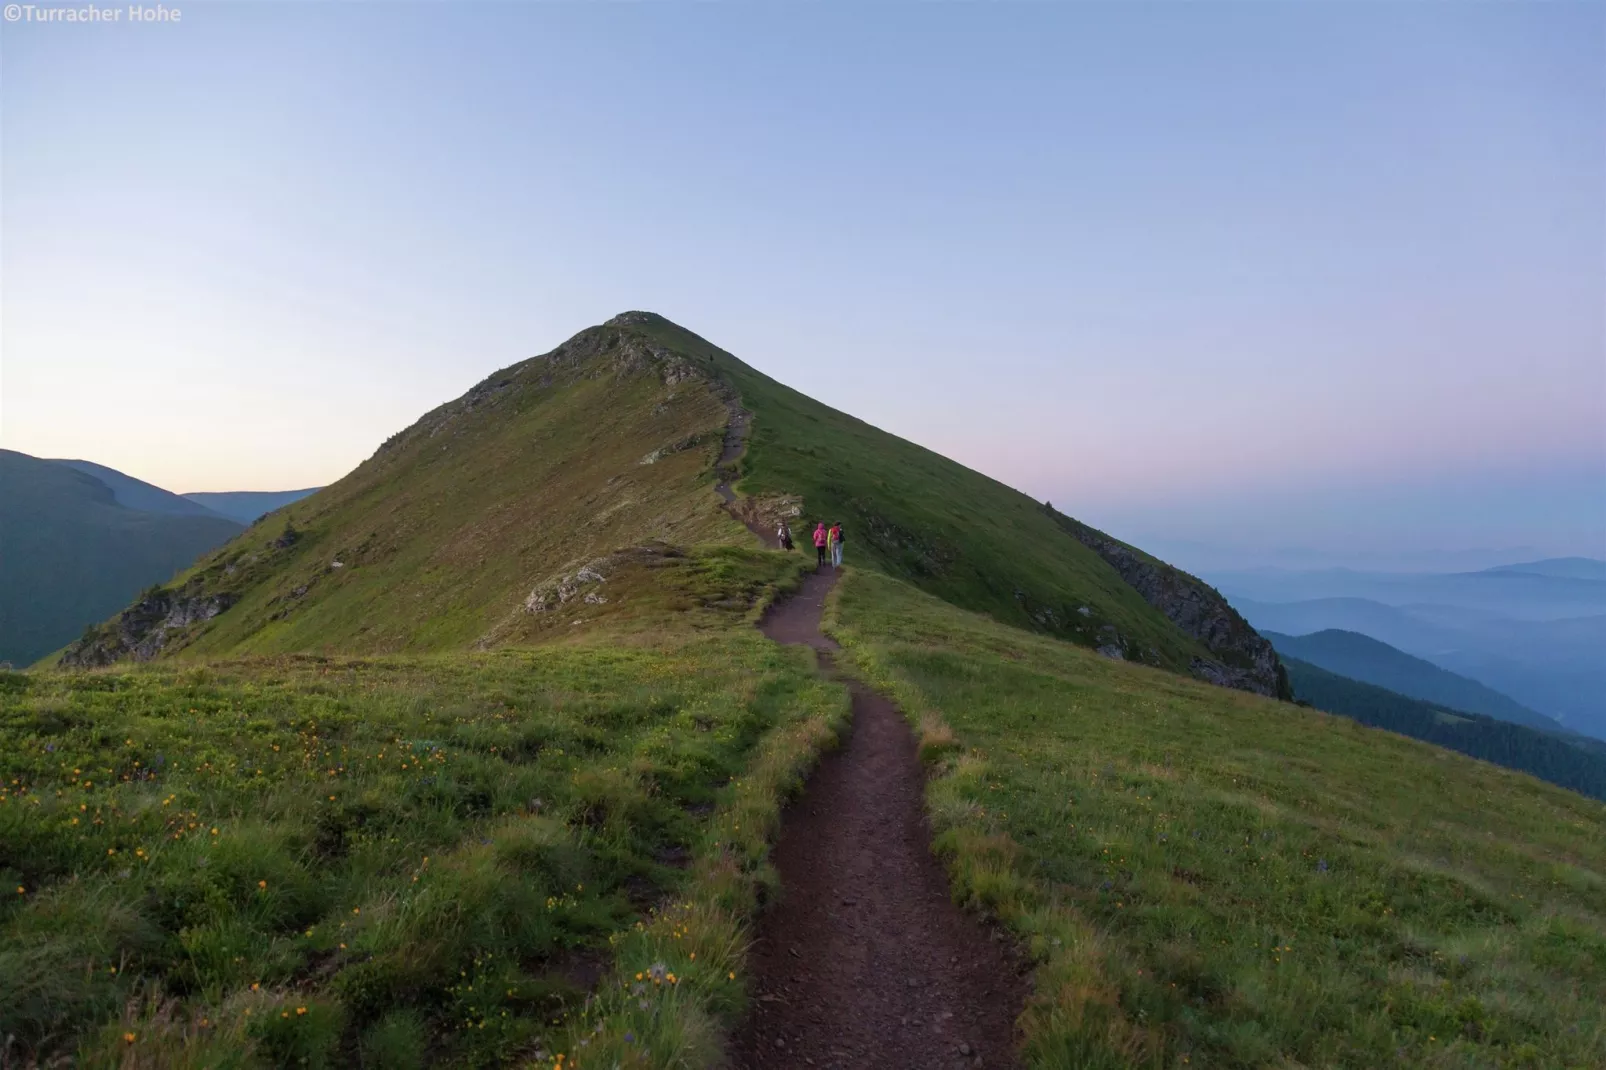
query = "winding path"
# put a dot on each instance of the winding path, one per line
(865, 961)
(730, 451)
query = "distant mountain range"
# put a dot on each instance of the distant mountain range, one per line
(1363, 658)
(247, 506)
(1573, 762)
(241, 506)
(1535, 632)
(78, 540)
(1574, 568)
(136, 494)
(1539, 590)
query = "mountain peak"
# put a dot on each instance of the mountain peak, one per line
(639, 318)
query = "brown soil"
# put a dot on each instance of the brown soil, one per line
(864, 961)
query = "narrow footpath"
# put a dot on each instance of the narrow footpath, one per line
(864, 961)
(731, 450)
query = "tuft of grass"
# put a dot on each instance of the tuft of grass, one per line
(1210, 878)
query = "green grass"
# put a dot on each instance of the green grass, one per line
(1209, 878)
(220, 860)
(394, 861)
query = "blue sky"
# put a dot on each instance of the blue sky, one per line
(1255, 274)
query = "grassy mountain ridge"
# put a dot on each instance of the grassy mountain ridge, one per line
(471, 526)
(1371, 661)
(70, 553)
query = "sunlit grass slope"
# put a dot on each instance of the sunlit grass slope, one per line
(919, 516)
(455, 860)
(1214, 879)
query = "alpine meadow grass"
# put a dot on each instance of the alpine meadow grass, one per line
(322, 861)
(1209, 878)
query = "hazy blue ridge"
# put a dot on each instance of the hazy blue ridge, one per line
(247, 506)
(1360, 657)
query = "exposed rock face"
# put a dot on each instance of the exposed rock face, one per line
(1247, 660)
(142, 630)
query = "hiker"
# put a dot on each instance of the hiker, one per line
(783, 536)
(819, 546)
(836, 544)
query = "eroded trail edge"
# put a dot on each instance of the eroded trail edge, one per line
(865, 961)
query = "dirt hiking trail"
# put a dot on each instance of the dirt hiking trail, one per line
(731, 449)
(864, 961)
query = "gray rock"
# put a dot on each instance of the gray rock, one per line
(143, 629)
(1244, 659)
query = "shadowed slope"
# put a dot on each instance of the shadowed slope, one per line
(70, 553)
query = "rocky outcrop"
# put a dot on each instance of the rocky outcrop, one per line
(587, 583)
(141, 631)
(1244, 659)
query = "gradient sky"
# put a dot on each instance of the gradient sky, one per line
(1253, 274)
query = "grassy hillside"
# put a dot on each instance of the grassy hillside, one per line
(470, 528)
(453, 860)
(1360, 657)
(1210, 878)
(70, 554)
(919, 516)
(439, 540)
